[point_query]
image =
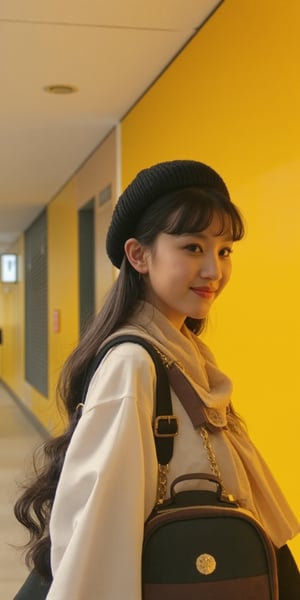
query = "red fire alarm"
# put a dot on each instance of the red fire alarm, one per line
(56, 320)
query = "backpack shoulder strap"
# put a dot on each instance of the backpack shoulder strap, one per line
(165, 423)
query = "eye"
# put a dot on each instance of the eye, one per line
(226, 252)
(194, 248)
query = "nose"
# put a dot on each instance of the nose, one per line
(211, 267)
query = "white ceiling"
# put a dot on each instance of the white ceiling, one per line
(110, 50)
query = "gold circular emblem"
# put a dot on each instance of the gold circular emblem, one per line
(205, 564)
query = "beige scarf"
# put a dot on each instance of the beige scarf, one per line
(215, 389)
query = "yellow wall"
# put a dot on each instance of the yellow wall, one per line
(12, 323)
(232, 99)
(63, 290)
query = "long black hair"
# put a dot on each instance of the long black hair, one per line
(189, 210)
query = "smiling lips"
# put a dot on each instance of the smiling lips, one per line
(204, 292)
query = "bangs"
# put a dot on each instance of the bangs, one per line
(193, 210)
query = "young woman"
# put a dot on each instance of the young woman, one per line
(171, 236)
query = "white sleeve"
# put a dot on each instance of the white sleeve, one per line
(108, 484)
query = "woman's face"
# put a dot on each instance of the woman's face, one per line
(186, 273)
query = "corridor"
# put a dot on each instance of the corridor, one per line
(18, 438)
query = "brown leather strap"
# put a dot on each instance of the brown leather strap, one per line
(189, 398)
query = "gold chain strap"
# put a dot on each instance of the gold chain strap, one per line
(213, 462)
(162, 483)
(210, 454)
(164, 358)
(163, 471)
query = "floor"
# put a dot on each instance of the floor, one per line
(18, 438)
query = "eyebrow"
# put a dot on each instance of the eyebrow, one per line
(227, 237)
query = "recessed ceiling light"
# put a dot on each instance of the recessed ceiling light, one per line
(60, 88)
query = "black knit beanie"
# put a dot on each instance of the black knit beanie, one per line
(149, 185)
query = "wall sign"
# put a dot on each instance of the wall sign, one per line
(9, 268)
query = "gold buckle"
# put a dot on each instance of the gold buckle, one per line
(171, 419)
